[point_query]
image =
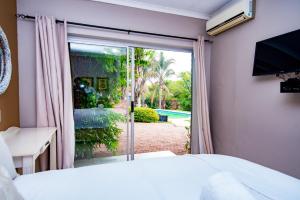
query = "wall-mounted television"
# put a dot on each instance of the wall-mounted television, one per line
(278, 55)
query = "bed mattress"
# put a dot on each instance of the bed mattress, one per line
(174, 178)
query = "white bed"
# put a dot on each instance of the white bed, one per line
(176, 178)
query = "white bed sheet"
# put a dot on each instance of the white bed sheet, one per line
(176, 178)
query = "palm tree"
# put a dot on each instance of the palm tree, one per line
(161, 72)
(143, 63)
(147, 75)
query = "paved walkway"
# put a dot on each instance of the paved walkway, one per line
(152, 137)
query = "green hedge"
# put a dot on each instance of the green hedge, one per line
(147, 115)
(89, 139)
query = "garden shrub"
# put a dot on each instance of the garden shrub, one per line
(150, 104)
(88, 139)
(147, 115)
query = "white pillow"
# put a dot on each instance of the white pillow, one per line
(8, 191)
(6, 159)
(224, 186)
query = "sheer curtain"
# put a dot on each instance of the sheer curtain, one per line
(201, 141)
(53, 87)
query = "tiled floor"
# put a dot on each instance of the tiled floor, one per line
(114, 159)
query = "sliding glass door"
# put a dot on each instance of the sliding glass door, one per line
(129, 102)
(102, 94)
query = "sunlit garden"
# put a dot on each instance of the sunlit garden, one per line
(162, 95)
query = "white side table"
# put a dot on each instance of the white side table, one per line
(26, 144)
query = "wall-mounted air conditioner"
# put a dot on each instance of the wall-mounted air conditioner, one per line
(232, 14)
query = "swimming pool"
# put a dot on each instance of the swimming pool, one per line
(174, 114)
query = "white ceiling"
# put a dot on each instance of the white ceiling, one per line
(192, 8)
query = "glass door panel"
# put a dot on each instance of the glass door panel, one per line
(100, 76)
(110, 83)
(163, 94)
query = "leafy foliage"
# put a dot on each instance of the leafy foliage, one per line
(184, 95)
(182, 91)
(147, 115)
(88, 139)
(90, 100)
(114, 66)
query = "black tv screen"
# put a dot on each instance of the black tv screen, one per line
(278, 55)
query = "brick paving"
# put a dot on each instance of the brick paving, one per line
(152, 137)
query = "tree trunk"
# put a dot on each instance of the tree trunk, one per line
(137, 89)
(159, 98)
(152, 99)
(142, 95)
(138, 101)
(142, 100)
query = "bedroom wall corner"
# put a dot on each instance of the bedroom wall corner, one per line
(251, 119)
(9, 101)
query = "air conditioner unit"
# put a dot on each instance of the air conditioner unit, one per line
(232, 14)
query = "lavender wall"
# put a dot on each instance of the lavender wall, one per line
(93, 13)
(250, 118)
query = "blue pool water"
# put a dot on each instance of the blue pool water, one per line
(174, 113)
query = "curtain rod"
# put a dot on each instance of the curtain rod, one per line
(22, 16)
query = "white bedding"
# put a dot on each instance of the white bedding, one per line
(174, 178)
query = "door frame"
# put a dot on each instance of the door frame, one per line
(131, 65)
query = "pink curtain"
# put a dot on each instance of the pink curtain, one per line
(54, 87)
(201, 141)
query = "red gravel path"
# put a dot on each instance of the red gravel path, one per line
(152, 137)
